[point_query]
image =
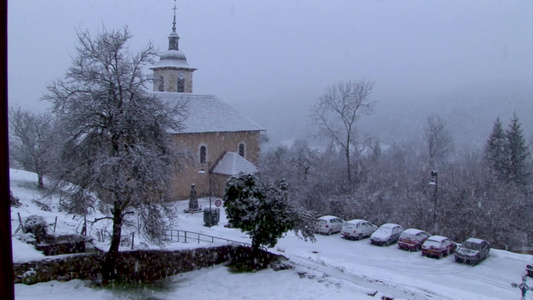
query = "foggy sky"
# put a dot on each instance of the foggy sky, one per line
(468, 61)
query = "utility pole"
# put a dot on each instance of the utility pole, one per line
(435, 182)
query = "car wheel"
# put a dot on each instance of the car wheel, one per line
(330, 232)
(360, 237)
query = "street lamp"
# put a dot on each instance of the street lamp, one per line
(435, 182)
(210, 191)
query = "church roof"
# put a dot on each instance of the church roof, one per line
(233, 164)
(172, 59)
(207, 113)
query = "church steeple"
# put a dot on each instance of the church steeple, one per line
(172, 73)
(173, 38)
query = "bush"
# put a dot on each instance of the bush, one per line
(37, 226)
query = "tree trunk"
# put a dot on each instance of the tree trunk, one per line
(40, 183)
(108, 269)
(348, 164)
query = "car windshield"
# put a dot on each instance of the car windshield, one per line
(386, 230)
(473, 246)
(432, 243)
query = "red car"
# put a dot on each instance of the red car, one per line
(412, 239)
(438, 246)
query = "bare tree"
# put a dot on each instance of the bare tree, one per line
(117, 146)
(32, 141)
(438, 139)
(337, 112)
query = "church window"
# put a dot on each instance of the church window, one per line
(242, 149)
(161, 82)
(181, 85)
(203, 154)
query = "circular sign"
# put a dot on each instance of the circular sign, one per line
(218, 203)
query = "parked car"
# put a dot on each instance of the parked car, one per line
(472, 251)
(357, 229)
(329, 225)
(438, 246)
(386, 234)
(412, 239)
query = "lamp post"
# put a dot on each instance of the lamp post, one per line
(435, 182)
(210, 191)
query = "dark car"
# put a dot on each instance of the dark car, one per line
(412, 239)
(472, 251)
(438, 246)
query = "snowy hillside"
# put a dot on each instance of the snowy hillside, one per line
(331, 268)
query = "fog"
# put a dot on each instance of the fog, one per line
(467, 61)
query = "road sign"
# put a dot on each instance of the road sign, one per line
(218, 203)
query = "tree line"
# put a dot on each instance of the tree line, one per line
(485, 193)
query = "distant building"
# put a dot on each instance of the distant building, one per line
(217, 141)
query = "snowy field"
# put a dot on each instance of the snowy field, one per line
(331, 268)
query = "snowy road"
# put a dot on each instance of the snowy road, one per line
(389, 270)
(408, 274)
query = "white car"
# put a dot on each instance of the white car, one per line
(329, 225)
(386, 234)
(357, 229)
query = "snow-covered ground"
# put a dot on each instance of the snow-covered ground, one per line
(331, 268)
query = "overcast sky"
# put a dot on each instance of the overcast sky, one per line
(271, 59)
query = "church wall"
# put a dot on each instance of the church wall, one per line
(217, 144)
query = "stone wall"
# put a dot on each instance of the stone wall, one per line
(133, 266)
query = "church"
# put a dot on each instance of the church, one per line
(217, 142)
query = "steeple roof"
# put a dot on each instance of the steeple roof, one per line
(173, 58)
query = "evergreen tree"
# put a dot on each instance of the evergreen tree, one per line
(261, 209)
(517, 153)
(495, 153)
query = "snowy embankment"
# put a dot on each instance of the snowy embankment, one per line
(331, 268)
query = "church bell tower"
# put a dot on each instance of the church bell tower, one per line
(172, 73)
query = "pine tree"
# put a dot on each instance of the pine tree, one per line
(261, 209)
(495, 153)
(516, 152)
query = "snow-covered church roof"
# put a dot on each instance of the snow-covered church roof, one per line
(172, 59)
(233, 164)
(207, 113)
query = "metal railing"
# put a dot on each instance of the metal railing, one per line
(189, 236)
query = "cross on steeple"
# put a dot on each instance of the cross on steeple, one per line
(174, 23)
(173, 38)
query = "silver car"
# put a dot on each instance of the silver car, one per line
(357, 229)
(329, 225)
(387, 234)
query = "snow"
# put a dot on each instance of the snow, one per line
(233, 164)
(172, 58)
(327, 218)
(437, 238)
(331, 268)
(207, 113)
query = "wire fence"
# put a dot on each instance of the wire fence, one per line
(185, 236)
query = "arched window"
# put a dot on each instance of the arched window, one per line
(203, 154)
(161, 84)
(242, 149)
(181, 83)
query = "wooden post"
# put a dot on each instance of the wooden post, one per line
(20, 221)
(55, 223)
